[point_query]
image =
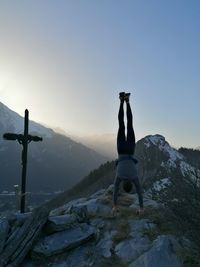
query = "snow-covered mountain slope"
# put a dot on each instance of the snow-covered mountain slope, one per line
(163, 145)
(159, 162)
(158, 165)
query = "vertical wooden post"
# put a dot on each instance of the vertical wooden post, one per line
(24, 162)
(24, 140)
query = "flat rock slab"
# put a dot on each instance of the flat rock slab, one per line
(60, 223)
(104, 246)
(129, 250)
(96, 209)
(160, 254)
(137, 227)
(75, 215)
(64, 209)
(4, 228)
(65, 240)
(80, 212)
(83, 256)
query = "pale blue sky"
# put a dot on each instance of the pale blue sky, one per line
(66, 61)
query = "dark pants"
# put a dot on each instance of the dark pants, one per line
(125, 145)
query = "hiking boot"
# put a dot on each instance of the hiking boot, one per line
(126, 97)
(121, 96)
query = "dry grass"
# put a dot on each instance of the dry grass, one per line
(158, 216)
(152, 233)
(107, 200)
(189, 258)
(113, 261)
(125, 200)
(123, 230)
(129, 213)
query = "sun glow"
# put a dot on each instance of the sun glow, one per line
(11, 91)
(4, 81)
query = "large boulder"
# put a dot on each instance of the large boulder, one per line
(162, 253)
(131, 249)
(137, 227)
(75, 215)
(64, 208)
(60, 223)
(95, 208)
(62, 241)
(83, 256)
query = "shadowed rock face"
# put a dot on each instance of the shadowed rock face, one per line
(65, 240)
(160, 254)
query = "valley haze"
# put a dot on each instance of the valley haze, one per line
(55, 164)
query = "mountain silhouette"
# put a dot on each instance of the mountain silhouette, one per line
(56, 163)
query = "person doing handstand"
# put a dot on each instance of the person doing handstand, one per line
(126, 163)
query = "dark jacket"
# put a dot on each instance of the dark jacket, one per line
(126, 167)
(126, 170)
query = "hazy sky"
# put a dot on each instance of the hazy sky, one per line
(67, 60)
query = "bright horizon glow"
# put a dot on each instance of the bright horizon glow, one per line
(66, 61)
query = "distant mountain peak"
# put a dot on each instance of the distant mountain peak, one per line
(163, 145)
(56, 163)
(10, 121)
(154, 139)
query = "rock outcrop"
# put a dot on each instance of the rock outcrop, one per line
(84, 232)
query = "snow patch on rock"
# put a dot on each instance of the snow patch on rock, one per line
(161, 184)
(160, 142)
(188, 170)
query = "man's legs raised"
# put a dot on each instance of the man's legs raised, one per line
(121, 139)
(130, 130)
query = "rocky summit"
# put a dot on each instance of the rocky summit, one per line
(85, 232)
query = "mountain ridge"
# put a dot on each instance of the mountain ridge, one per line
(14, 122)
(57, 157)
(157, 161)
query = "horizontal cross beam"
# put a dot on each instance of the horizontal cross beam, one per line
(21, 137)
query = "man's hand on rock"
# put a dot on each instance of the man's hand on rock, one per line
(140, 211)
(115, 210)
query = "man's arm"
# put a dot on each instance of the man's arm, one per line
(115, 191)
(140, 196)
(139, 191)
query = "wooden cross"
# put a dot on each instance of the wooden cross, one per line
(24, 140)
